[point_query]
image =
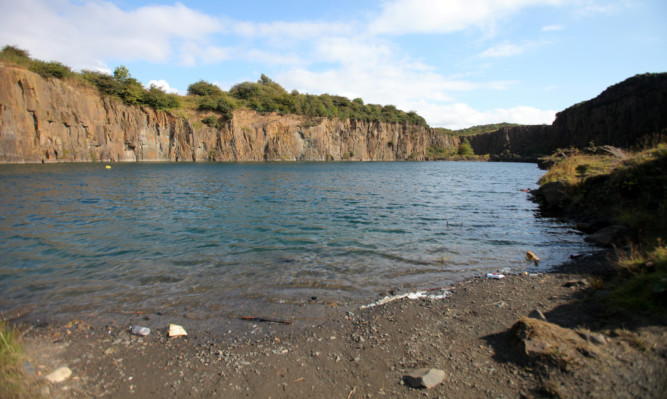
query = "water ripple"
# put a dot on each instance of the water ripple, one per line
(80, 237)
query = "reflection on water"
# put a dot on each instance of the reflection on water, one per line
(76, 237)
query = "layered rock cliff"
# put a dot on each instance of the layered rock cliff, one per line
(627, 114)
(52, 121)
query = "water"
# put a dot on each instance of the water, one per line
(222, 239)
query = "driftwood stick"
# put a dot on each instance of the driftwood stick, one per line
(266, 320)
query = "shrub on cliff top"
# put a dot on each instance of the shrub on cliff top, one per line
(157, 98)
(15, 55)
(50, 69)
(203, 88)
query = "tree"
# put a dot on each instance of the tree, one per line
(465, 148)
(122, 74)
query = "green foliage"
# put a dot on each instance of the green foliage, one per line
(156, 97)
(51, 69)
(481, 129)
(465, 148)
(203, 88)
(221, 102)
(436, 153)
(15, 55)
(106, 83)
(642, 284)
(211, 121)
(268, 96)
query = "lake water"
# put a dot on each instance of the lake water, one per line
(221, 240)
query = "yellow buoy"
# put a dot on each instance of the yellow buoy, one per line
(108, 166)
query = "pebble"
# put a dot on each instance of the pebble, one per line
(59, 375)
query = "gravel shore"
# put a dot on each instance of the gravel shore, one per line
(582, 349)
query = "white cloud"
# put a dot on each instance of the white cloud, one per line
(162, 84)
(552, 28)
(445, 16)
(305, 30)
(376, 71)
(84, 34)
(507, 50)
(461, 115)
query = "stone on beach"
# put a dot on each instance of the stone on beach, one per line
(424, 378)
(59, 375)
(176, 331)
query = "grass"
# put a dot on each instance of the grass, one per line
(575, 168)
(630, 192)
(642, 282)
(13, 382)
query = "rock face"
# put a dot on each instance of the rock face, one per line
(54, 121)
(630, 113)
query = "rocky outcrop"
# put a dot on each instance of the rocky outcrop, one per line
(53, 121)
(628, 114)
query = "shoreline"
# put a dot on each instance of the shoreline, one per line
(366, 352)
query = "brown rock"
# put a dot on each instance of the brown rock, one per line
(543, 341)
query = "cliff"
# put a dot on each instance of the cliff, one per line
(627, 114)
(54, 120)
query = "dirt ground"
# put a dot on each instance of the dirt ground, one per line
(365, 353)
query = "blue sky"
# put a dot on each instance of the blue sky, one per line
(458, 63)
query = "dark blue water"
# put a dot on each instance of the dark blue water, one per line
(222, 237)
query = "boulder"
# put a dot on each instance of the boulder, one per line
(553, 194)
(609, 235)
(546, 342)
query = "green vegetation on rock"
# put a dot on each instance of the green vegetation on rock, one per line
(471, 131)
(47, 69)
(630, 193)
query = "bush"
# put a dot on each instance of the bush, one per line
(156, 97)
(211, 121)
(15, 55)
(203, 88)
(51, 69)
(106, 83)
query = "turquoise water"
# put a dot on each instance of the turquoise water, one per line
(221, 238)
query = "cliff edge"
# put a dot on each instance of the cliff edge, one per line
(55, 120)
(632, 113)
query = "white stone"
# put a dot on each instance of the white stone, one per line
(176, 331)
(59, 375)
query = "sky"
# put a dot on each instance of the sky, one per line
(458, 63)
